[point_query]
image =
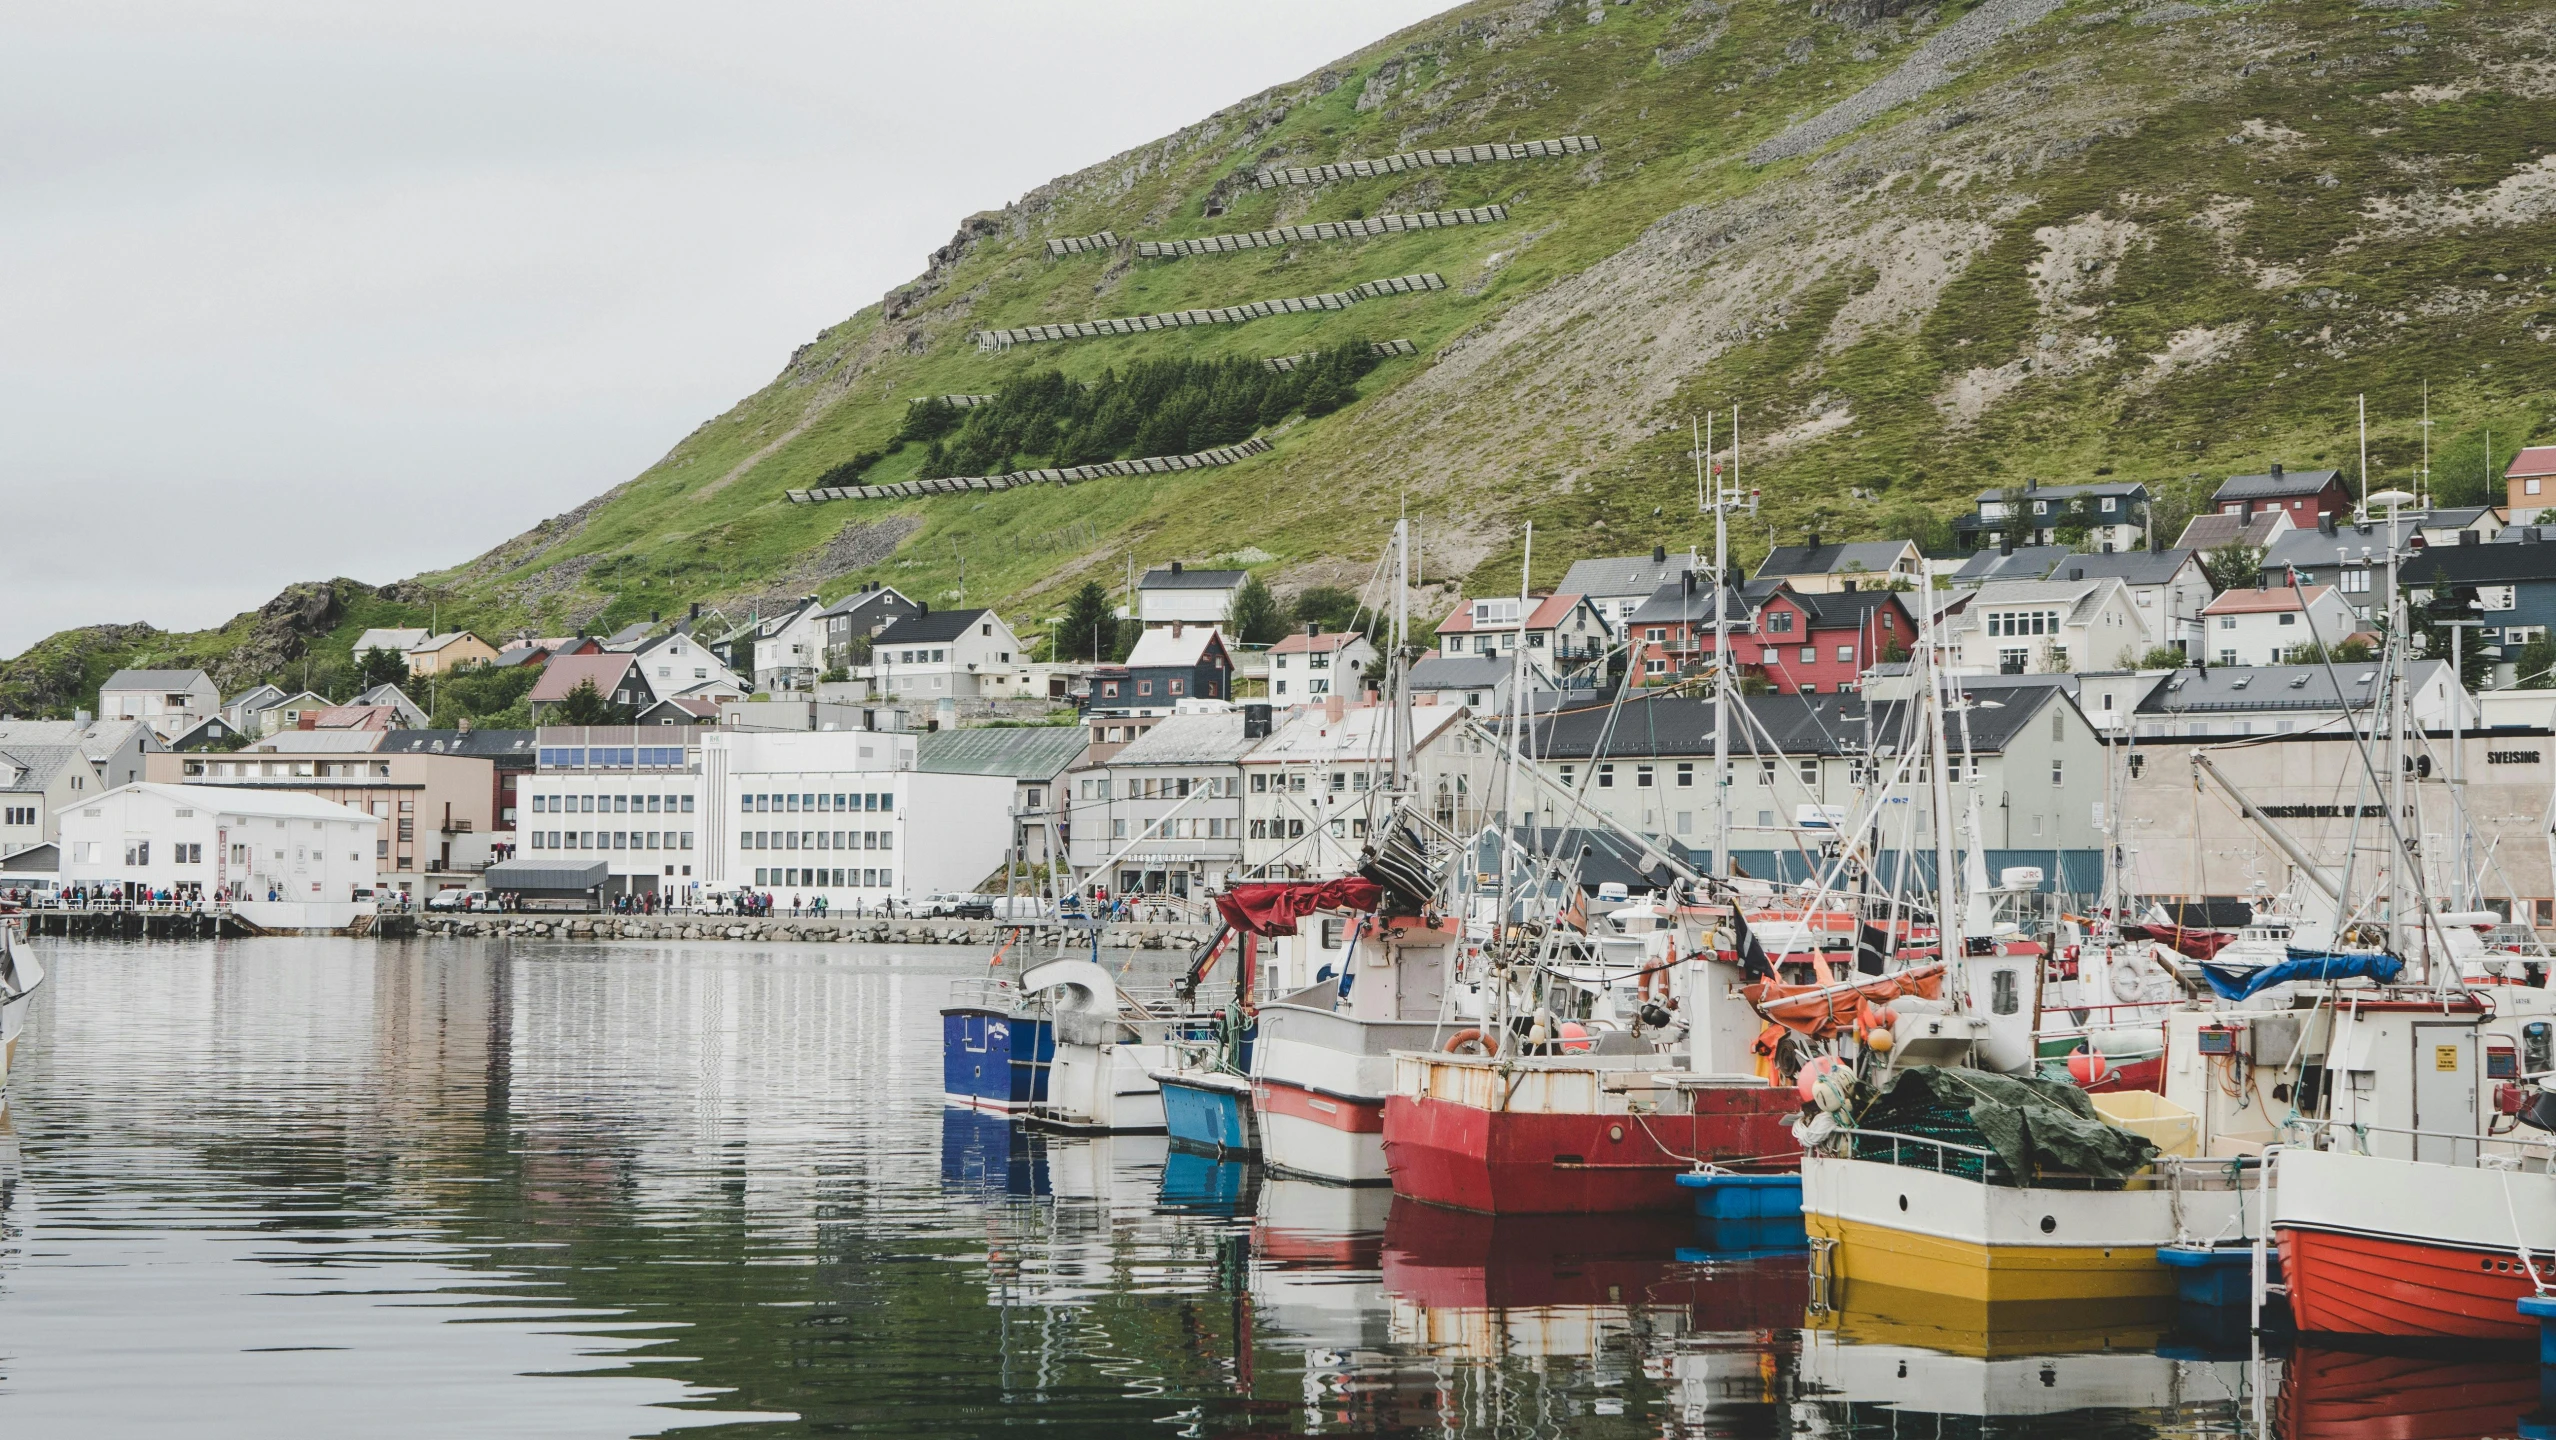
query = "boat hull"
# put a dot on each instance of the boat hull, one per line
(1209, 1113)
(1320, 1134)
(1911, 1230)
(1578, 1162)
(994, 1060)
(2407, 1249)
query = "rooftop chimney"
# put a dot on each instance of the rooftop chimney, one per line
(1176, 564)
(1335, 706)
(1313, 628)
(2325, 524)
(1814, 540)
(1659, 554)
(1175, 629)
(1255, 722)
(696, 609)
(2276, 469)
(2076, 572)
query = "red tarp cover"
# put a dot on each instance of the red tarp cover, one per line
(2198, 944)
(1275, 909)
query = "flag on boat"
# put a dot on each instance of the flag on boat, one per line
(1752, 956)
(1872, 949)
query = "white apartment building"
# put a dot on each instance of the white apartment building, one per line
(1317, 788)
(204, 841)
(832, 814)
(1165, 815)
(626, 795)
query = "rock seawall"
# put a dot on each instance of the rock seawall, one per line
(845, 930)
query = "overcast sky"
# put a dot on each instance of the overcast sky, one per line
(290, 290)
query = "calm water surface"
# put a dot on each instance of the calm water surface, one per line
(296, 1187)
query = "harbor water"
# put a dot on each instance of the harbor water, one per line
(438, 1188)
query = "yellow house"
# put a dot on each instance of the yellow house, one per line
(2530, 484)
(443, 654)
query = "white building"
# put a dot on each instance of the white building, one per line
(834, 814)
(1306, 668)
(956, 654)
(1165, 814)
(1315, 791)
(626, 795)
(2167, 587)
(2038, 627)
(1191, 597)
(202, 841)
(677, 664)
(171, 702)
(789, 648)
(2266, 627)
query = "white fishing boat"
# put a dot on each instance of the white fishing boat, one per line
(20, 974)
(1107, 1046)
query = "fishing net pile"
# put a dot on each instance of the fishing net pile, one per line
(2042, 1132)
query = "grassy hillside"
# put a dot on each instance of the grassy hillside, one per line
(1925, 249)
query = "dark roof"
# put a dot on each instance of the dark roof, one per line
(2264, 487)
(1801, 725)
(1623, 574)
(1670, 604)
(940, 625)
(498, 745)
(1866, 557)
(2066, 492)
(552, 875)
(2274, 687)
(2130, 567)
(1845, 608)
(2481, 564)
(2028, 562)
(1188, 579)
(2310, 546)
(1461, 672)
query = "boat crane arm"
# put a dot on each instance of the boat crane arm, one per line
(2247, 810)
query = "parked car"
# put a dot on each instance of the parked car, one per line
(448, 900)
(973, 907)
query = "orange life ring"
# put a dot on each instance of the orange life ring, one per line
(1483, 1043)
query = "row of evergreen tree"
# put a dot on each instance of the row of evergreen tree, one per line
(1154, 407)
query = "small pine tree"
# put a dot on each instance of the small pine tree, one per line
(1088, 628)
(382, 667)
(586, 705)
(1254, 617)
(2535, 667)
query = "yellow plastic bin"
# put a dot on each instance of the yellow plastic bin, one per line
(2171, 1128)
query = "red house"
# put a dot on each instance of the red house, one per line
(1802, 644)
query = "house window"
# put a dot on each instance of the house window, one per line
(1810, 654)
(1765, 772)
(1779, 622)
(1845, 654)
(1642, 777)
(1144, 687)
(2012, 662)
(1809, 772)
(2356, 582)
(1606, 775)
(1655, 634)
(2529, 487)
(2227, 622)
(1685, 772)
(1175, 686)
(2227, 657)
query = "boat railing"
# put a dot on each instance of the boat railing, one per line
(2322, 1133)
(2178, 1174)
(984, 992)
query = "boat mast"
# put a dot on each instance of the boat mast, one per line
(1398, 695)
(1947, 924)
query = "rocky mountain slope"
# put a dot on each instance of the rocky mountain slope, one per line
(1925, 249)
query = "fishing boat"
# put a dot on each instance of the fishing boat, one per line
(1105, 1045)
(995, 1049)
(20, 975)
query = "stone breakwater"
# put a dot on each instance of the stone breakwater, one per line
(844, 930)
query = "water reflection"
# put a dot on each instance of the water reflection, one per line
(297, 1187)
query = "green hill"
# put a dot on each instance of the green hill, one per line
(1925, 249)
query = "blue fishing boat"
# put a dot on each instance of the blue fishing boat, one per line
(995, 1053)
(1207, 1086)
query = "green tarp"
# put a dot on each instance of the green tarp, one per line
(2036, 1127)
